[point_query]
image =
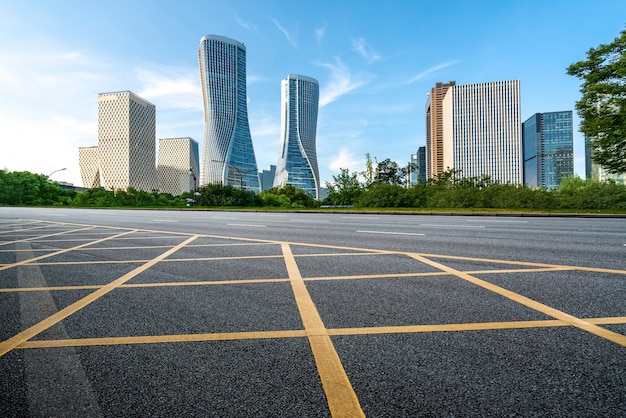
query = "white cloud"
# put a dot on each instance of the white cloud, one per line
(342, 82)
(245, 24)
(320, 32)
(171, 87)
(364, 50)
(346, 159)
(291, 40)
(430, 70)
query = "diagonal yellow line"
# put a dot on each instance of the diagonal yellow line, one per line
(65, 250)
(342, 400)
(522, 263)
(38, 237)
(29, 333)
(555, 313)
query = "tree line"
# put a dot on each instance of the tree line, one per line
(380, 185)
(450, 190)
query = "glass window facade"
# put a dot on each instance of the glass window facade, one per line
(227, 154)
(548, 149)
(297, 162)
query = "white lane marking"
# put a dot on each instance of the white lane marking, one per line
(493, 220)
(304, 221)
(164, 220)
(360, 217)
(389, 233)
(250, 225)
(453, 226)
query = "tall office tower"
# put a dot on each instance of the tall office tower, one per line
(418, 166)
(421, 164)
(227, 155)
(177, 165)
(434, 129)
(89, 164)
(588, 163)
(413, 170)
(127, 141)
(297, 162)
(548, 146)
(266, 177)
(480, 132)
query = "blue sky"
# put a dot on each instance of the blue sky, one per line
(375, 62)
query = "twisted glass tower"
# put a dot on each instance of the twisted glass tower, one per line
(227, 154)
(297, 162)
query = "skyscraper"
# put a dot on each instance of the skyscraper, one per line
(548, 145)
(89, 164)
(297, 161)
(227, 154)
(177, 165)
(126, 141)
(434, 129)
(480, 132)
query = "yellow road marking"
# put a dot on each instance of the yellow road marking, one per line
(9, 231)
(521, 263)
(65, 250)
(154, 339)
(225, 336)
(27, 334)
(36, 237)
(342, 400)
(555, 313)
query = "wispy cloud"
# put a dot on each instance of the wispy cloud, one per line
(171, 87)
(363, 49)
(341, 82)
(320, 32)
(244, 24)
(291, 40)
(430, 70)
(346, 160)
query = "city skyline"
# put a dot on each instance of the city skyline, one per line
(374, 64)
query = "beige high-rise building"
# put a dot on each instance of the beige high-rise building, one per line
(177, 165)
(478, 131)
(434, 129)
(126, 141)
(89, 163)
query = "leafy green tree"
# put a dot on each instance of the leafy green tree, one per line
(220, 195)
(389, 172)
(602, 106)
(287, 196)
(344, 189)
(29, 189)
(382, 195)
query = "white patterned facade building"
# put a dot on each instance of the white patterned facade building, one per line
(126, 141)
(89, 164)
(481, 131)
(227, 153)
(177, 165)
(297, 160)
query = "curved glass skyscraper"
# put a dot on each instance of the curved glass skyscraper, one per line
(297, 162)
(227, 154)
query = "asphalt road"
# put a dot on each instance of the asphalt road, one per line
(184, 313)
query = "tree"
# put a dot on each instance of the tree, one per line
(389, 172)
(345, 188)
(602, 106)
